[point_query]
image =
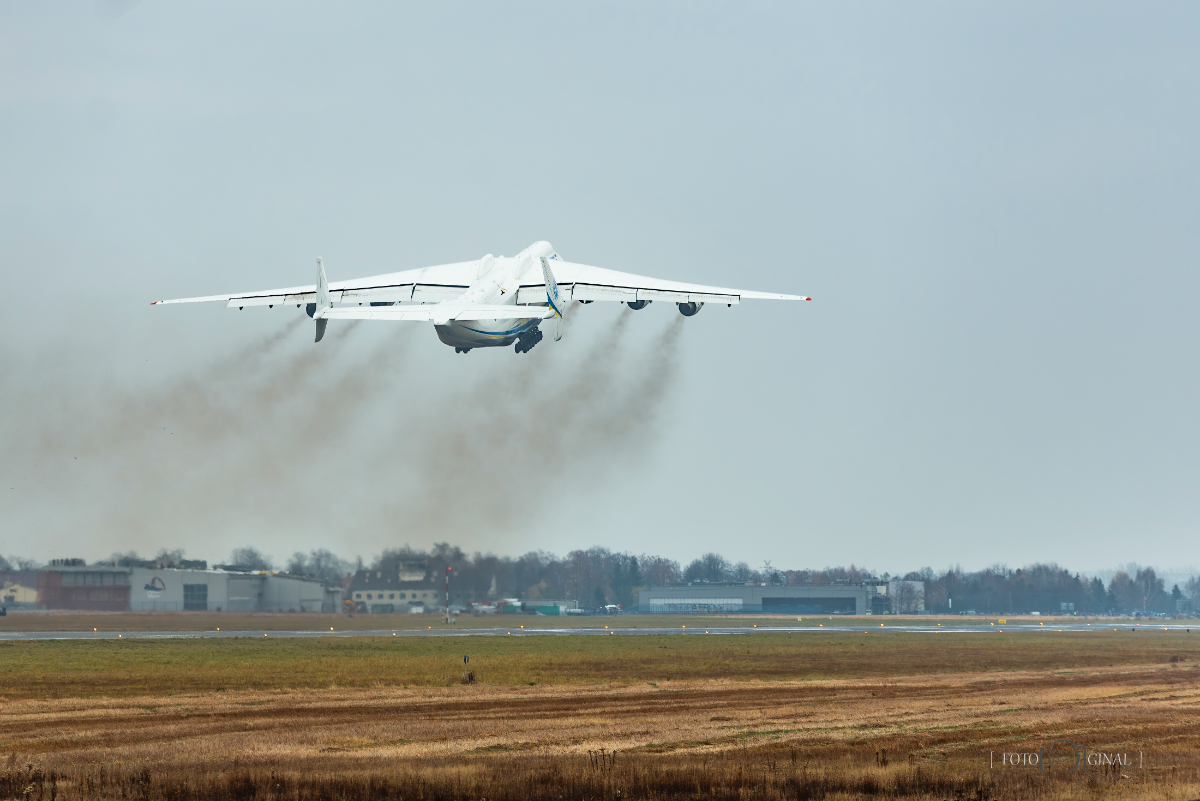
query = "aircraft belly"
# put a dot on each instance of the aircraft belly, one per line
(483, 333)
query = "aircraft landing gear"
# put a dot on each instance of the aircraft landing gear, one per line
(527, 340)
(462, 350)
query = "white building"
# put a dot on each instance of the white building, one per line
(144, 589)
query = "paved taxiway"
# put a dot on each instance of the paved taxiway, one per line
(516, 631)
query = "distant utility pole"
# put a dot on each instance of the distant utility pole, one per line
(446, 617)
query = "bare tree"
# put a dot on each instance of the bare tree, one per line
(250, 559)
(169, 557)
(1125, 592)
(659, 571)
(319, 564)
(710, 567)
(908, 596)
(1151, 587)
(743, 572)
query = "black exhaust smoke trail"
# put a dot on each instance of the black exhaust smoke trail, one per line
(517, 444)
(271, 470)
(76, 422)
(199, 453)
(283, 438)
(658, 369)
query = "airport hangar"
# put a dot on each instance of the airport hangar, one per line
(111, 588)
(826, 599)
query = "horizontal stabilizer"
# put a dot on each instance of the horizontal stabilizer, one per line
(480, 312)
(437, 313)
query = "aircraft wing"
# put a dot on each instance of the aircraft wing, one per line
(425, 285)
(597, 283)
(446, 282)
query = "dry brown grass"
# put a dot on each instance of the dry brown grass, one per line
(912, 737)
(82, 668)
(833, 716)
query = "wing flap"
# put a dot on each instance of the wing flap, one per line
(205, 299)
(598, 283)
(597, 292)
(279, 300)
(378, 294)
(661, 294)
(269, 300)
(448, 281)
(533, 294)
(703, 297)
(426, 293)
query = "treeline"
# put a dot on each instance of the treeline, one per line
(16, 564)
(1046, 587)
(597, 576)
(320, 564)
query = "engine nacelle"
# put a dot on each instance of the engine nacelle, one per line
(689, 309)
(637, 305)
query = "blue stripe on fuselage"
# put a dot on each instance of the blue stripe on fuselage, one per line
(525, 326)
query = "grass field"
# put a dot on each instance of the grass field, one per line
(771, 716)
(83, 669)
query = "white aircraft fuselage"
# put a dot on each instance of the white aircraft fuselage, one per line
(497, 285)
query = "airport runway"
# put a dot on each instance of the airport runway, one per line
(530, 631)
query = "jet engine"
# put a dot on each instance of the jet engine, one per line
(637, 305)
(689, 309)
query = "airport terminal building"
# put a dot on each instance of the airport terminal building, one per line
(156, 589)
(827, 599)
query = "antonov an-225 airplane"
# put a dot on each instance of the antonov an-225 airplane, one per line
(487, 303)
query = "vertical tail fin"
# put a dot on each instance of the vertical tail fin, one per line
(556, 300)
(322, 299)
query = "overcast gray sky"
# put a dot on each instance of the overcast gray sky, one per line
(993, 206)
